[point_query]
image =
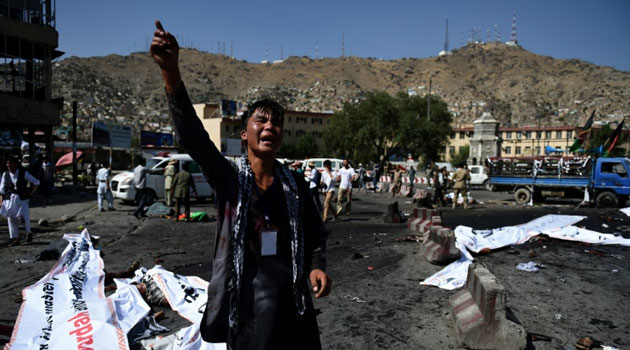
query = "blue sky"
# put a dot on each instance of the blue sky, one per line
(594, 31)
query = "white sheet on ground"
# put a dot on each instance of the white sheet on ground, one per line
(453, 276)
(67, 308)
(625, 211)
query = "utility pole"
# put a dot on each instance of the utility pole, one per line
(74, 143)
(429, 96)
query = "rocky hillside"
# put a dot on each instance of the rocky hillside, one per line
(514, 84)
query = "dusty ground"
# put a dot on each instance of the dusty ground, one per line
(583, 291)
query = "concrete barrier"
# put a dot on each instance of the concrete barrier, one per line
(422, 219)
(405, 191)
(439, 247)
(479, 314)
(393, 215)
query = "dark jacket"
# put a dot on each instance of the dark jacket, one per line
(222, 176)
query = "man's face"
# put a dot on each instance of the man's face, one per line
(263, 134)
(345, 163)
(12, 166)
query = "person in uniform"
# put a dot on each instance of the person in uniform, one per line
(169, 175)
(180, 190)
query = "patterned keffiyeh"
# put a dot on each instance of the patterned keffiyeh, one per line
(246, 181)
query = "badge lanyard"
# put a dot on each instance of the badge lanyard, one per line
(269, 234)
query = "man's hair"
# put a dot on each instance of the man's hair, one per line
(14, 159)
(265, 105)
(104, 164)
(142, 161)
(327, 162)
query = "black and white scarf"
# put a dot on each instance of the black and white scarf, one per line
(291, 195)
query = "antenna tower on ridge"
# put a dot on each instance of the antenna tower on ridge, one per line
(316, 50)
(513, 41)
(445, 51)
(343, 44)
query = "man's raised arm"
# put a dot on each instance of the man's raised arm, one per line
(165, 51)
(188, 128)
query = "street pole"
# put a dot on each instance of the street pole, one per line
(74, 143)
(429, 98)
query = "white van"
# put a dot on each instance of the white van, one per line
(123, 187)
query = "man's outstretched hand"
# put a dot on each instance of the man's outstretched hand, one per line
(165, 52)
(320, 282)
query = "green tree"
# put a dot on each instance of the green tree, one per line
(383, 125)
(305, 147)
(461, 157)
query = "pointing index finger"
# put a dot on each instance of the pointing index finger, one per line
(158, 25)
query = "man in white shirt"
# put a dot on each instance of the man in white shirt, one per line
(103, 191)
(14, 198)
(328, 187)
(345, 176)
(140, 182)
(313, 185)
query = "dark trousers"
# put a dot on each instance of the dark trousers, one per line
(315, 194)
(438, 195)
(178, 203)
(142, 201)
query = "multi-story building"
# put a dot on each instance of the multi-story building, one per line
(224, 130)
(28, 42)
(519, 141)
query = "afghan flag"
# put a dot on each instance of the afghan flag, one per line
(614, 137)
(584, 134)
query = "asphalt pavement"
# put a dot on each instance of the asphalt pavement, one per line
(376, 301)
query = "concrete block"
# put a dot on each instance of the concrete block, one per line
(439, 247)
(405, 191)
(421, 219)
(479, 314)
(393, 214)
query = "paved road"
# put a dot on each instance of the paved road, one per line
(588, 290)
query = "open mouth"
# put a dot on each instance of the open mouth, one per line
(267, 139)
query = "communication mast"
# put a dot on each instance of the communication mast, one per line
(513, 41)
(445, 51)
(316, 50)
(343, 44)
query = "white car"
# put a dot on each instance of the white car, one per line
(123, 187)
(479, 176)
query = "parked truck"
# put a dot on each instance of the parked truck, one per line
(604, 180)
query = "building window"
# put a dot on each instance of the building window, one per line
(508, 150)
(462, 135)
(548, 135)
(519, 135)
(517, 150)
(569, 134)
(23, 68)
(289, 119)
(508, 134)
(528, 134)
(461, 149)
(451, 150)
(539, 134)
(559, 134)
(299, 133)
(236, 128)
(227, 128)
(538, 150)
(453, 134)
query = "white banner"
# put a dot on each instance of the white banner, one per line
(454, 275)
(67, 308)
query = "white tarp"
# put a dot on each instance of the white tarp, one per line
(67, 308)
(625, 211)
(187, 296)
(453, 276)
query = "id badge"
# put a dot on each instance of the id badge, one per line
(268, 242)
